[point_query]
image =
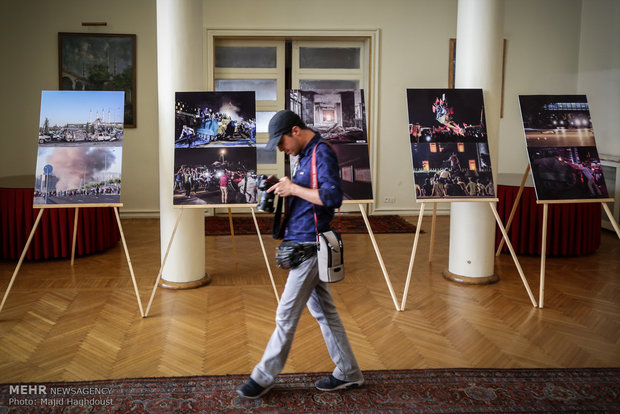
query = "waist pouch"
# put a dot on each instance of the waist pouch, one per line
(291, 253)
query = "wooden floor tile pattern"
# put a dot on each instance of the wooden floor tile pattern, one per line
(82, 322)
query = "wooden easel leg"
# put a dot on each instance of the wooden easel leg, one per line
(75, 223)
(514, 209)
(543, 257)
(232, 230)
(378, 253)
(133, 277)
(611, 218)
(230, 222)
(430, 252)
(512, 252)
(413, 251)
(21, 258)
(163, 263)
(262, 246)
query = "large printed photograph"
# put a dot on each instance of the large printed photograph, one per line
(215, 119)
(339, 115)
(215, 149)
(80, 140)
(561, 147)
(220, 176)
(449, 144)
(74, 118)
(446, 115)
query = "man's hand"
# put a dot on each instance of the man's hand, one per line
(284, 188)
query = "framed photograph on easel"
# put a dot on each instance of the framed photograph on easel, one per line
(215, 149)
(563, 160)
(79, 158)
(339, 115)
(450, 158)
(562, 151)
(449, 144)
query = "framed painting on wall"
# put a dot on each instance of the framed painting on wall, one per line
(99, 62)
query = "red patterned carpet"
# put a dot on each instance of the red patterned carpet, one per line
(351, 223)
(404, 391)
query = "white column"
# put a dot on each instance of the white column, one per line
(179, 67)
(479, 45)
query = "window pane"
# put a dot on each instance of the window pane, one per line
(328, 84)
(329, 58)
(264, 156)
(609, 173)
(265, 89)
(262, 121)
(245, 57)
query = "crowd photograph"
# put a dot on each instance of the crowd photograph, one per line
(223, 176)
(452, 170)
(209, 119)
(565, 173)
(446, 115)
(78, 175)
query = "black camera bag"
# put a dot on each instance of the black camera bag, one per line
(291, 253)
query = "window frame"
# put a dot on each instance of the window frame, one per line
(369, 60)
(299, 73)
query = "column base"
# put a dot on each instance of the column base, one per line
(466, 280)
(166, 284)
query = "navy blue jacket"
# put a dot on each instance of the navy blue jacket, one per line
(301, 225)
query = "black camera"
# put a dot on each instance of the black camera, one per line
(266, 199)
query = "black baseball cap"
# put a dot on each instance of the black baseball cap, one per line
(282, 123)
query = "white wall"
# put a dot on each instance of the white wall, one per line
(542, 55)
(557, 47)
(29, 47)
(599, 70)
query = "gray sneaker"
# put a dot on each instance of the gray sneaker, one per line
(332, 383)
(252, 390)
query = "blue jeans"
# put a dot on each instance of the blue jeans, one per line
(303, 287)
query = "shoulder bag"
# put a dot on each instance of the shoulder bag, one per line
(330, 256)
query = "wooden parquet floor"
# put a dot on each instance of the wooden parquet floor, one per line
(83, 323)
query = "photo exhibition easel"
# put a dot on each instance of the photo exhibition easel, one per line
(360, 204)
(42, 208)
(304, 102)
(545, 204)
(174, 230)
(262, 245)
(491, 202)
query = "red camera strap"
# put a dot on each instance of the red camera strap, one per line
(314, 184)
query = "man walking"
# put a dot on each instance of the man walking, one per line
(303, 287)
